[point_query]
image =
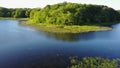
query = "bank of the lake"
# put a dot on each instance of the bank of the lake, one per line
(10, 18)
(60, 28)
(67, 29)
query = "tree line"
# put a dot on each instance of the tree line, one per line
(75, 14)
(17, 12)
(65, 13)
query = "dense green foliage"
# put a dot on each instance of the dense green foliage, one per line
(65, 14)
(15, 13)
(75, 14)
(89, 62)
(4, 12)
(33, 11)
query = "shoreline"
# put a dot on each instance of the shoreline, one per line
(50, 28)
(10, 18)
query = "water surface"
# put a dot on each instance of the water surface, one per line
(24, 47)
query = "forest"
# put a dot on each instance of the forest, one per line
(76, 14)
(65, 14)
(16, 12)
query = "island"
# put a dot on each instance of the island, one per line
(65, 17)
(74, 18)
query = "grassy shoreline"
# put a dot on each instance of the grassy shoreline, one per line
(51, 28)
(10, 18)
(66, 29)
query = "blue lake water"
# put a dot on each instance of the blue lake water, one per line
(25, 47)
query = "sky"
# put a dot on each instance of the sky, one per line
(41, 3)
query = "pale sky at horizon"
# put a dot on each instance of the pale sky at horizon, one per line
(41, 3)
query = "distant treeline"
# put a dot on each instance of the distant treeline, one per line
(66, 14)
(16, 12)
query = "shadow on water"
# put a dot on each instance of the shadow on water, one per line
(68, 37)
(75, 37)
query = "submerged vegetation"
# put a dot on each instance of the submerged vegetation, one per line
(97, 62)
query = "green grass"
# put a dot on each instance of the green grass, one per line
(67, 29)
(97, 62)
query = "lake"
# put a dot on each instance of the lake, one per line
(25, 47)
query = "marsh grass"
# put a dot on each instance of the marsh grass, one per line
(67, 28)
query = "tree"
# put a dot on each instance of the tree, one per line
(19, 13)
(33, 11)
(27, 12)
